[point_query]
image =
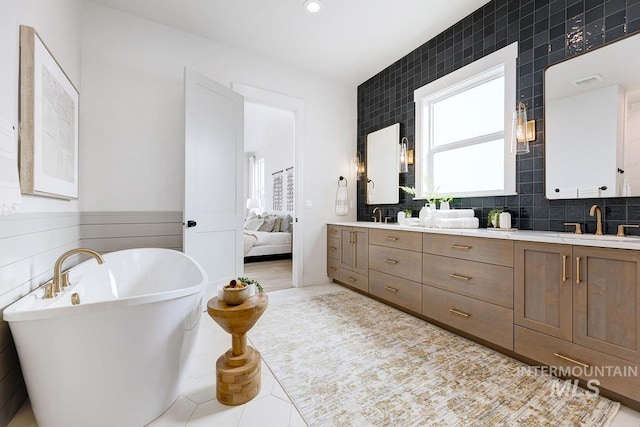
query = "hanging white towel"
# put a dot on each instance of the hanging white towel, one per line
(10, 197)
(342, 204)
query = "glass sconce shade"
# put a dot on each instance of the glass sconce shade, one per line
(523, 130)
(403, 155)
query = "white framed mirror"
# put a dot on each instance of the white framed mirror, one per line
(383, 163)
(592, 123)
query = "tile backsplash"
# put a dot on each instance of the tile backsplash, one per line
(547, 32)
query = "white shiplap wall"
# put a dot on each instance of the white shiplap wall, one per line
(30, 243)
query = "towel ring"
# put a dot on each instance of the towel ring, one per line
(342, 178)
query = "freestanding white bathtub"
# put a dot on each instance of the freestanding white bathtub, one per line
(117, 358)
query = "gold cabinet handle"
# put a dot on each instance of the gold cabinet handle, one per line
(564, 268)
(460, 247)
(578, 259)
(459, 313)
(390, 289)
(333, 268)
(569, 359)
(459, 277)
(333, 248)
(355, 237)
(352, 279)
(393, 239)
(390, 261)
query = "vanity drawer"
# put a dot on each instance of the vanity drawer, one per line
(487, 282)
(356, 280)
(489, 322)
(332, 268)
(492, 251)
(554, 352)
(333, 248)
(399, 262)
(411, 241)
(333, 231)
(396, 290)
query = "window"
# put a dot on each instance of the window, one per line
(258, 181)
(463, 129)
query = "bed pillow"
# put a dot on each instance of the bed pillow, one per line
(277, 224)
(285, 225)
(253, 224)
(268, 223)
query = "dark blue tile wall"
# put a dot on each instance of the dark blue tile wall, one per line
(547, 32)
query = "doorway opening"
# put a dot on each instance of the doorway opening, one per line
(273, 180)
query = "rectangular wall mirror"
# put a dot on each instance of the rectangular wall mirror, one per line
(592, 123)
(383, 161)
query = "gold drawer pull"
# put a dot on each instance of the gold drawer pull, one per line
(390, 261)
(568, 359)
(578, 259)
(459, 313)
(460, 247)
(564, 268)
(333, 268)
(459, 277)
(390, 289)
(333, 248)
(393, 239)
(334, 231)
(352, 279)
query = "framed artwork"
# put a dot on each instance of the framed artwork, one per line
(48, 122)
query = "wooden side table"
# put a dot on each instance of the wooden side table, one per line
(238, 373)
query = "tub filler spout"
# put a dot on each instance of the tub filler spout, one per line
(57, 268)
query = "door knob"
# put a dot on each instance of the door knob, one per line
(191, 223)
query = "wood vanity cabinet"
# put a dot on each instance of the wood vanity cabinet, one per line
(395, 267)
(348, 255)
(543, 288)
(579, 306)
(468, 285)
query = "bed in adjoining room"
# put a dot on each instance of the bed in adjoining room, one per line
(267, 236)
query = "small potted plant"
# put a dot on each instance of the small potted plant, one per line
(252, 284)
(493, 219)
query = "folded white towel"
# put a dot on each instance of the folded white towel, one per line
(455, 213)
(342, 204)
(456, 223)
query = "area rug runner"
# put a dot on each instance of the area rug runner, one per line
(347, 360)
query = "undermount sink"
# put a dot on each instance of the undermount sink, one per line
(605, 238)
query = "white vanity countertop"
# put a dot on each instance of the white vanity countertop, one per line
(606, 241)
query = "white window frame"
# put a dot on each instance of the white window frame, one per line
(482, 70)
(259, 182)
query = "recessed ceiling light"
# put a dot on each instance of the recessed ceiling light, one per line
(313, 6)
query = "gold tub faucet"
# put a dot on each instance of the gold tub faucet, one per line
(57, 268)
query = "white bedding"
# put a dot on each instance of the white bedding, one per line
(269, 243)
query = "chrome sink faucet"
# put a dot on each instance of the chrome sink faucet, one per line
(595, 210)
(377, 208)
(57, 268)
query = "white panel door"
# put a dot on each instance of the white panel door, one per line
(214, 187)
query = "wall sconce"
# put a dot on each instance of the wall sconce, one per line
(403, 155)
(358, 166)
(524, 130)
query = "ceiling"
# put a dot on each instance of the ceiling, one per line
(349, 40)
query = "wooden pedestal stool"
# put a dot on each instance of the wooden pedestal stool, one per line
(238, 370)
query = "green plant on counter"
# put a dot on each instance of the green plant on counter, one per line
(408, 190)
(248, 281)
(494, 213)
(408, 213)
